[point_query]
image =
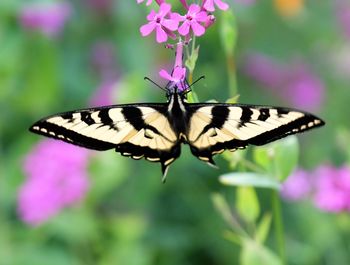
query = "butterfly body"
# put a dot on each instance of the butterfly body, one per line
(155, 131)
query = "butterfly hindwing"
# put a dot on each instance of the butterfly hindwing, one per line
(214, 128)
(137, 131)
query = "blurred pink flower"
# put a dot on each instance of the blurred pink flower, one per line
(103, 60)
(192, 20)
(297, 186)
(264, 70)
(295, 82)
(56, 178)
(302, 87)
(209, 5)
(162, 22)
(343, 16)
(332, 188)
(104, 93)
(49, 18)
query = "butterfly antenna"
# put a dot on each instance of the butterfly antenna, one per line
(154, 83)
(188, 89)
(200, 78)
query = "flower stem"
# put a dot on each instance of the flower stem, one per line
(278, 224)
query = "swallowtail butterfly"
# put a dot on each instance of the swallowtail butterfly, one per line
(155, 131)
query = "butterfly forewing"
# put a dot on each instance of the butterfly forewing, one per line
(137, 131)
(214, 128)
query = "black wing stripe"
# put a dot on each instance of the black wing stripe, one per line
(246, 116)
(69, 136)
(219, 117)
(264, 114)
(105, 118)
(86, 117)
(134, 116)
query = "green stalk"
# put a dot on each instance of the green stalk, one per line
(278, 225)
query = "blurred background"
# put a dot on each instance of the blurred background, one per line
(61, 204)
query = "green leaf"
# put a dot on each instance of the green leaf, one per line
(249, 179)
(279, 158)
(254, 253)
(191, 61)
(247, 204)
(263, 228)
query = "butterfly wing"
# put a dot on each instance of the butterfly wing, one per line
(214, 128)
(140, 130)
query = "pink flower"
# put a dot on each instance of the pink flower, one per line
(297, 186)
(209, 5)
(176, 79)
(302, 87)
(192, 20)
(104, 94)
(296, 82)
(56, 178)
(48, 18)
(332, 188)
(103, 60)
(158, 21)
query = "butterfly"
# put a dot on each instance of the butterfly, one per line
(156, 131)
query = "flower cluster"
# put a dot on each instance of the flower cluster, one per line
(56, 178)
(168, 24)
(165, 23)
(327, 186)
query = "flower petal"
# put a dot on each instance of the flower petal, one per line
(165, 75)
(147, 28)
(184, 28)
(202, 16)
(179, 73)
(161, 35)
(164, 9)
(152, 15)
(194, 8)
(209, 5)
(170, 24)
(197, 28)
(221, 5)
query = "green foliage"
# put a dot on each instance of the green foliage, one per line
(247, 204)
(254, 253)
(279, 158)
